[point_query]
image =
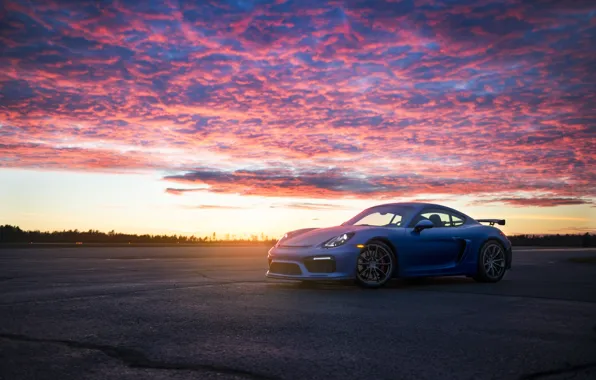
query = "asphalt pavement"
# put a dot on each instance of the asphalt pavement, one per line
(209, 313)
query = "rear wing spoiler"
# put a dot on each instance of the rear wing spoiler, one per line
(500, 222)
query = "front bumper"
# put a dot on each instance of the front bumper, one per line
(313, 263)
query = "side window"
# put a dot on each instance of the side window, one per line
(440, 218)
(456, 221)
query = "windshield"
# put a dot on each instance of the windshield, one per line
(382, 216)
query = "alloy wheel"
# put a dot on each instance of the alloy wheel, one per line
(375, 264)
(493, 260)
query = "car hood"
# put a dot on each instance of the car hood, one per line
(319, 235)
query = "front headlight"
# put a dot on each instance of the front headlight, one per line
(338, 240)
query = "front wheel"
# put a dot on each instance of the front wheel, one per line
(491, 262)
(376, 264)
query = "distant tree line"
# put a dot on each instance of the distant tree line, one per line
(569, 240)
(13, 234)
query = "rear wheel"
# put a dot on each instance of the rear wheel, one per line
(491, 262)
(376, 264)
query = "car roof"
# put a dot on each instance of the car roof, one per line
(412, 204)
(422, 205)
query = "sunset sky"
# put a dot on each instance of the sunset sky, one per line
(244, 117)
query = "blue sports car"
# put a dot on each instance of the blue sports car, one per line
(394, 240)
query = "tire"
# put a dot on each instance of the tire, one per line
(492, 262)
(375, 265)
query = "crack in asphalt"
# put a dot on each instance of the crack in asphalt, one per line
(136, 359)
(558, 371)
(126, 292)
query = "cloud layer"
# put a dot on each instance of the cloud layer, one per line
(308, 98)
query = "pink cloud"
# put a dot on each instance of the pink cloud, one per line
(538, 202)
(174, 191)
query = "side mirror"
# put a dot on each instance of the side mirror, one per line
(422, 225)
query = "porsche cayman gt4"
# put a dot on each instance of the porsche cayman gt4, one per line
(394, 240)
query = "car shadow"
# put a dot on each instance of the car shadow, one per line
(401, 283)
(431, 281)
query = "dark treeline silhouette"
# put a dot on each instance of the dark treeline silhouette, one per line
(568, 240)
(13, 234)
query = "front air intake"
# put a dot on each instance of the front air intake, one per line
(285, 268)
(315, 265)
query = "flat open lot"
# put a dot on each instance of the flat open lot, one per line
(209, 313)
